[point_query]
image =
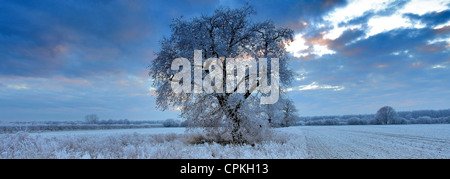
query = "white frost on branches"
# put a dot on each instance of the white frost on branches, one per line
(228, 33)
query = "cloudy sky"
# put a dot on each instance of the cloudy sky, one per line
(61, 60)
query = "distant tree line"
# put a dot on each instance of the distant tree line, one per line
(384, 116)
(91, 122)
(174, 123)
(94, 119)
(44, 128)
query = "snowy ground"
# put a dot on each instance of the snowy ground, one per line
(368, 141)
(392, 141)
(138, 143)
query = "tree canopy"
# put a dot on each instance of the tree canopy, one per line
(227, 33)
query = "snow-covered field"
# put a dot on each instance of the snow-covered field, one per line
(368, 141)
(376, 141)
(137, 143)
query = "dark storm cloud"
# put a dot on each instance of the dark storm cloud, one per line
(291, 12)
(388, 53)
(431, 19)
(40, 38)
(388, 42)
(83, 37)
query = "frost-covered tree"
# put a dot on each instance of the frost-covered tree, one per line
(289, 113)
(386, 115)
(281, 114)
(227, 33)
(273, 114)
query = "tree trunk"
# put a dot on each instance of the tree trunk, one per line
(235, 132)
(232, 113)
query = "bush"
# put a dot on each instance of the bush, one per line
(255, 131)
(399, 120)
(423, 120)
(330, 122)
(184, 123)
(429, 120)
(171, 123)
(197, 138)
(356, 121)
(374, 122)
(445, 120)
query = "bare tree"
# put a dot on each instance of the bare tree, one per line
(273, 114)
(91, 119)
(290, 113)
(228, 33)
(386, 115)
(281, 114)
